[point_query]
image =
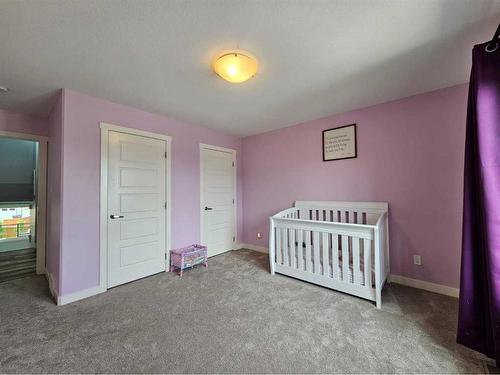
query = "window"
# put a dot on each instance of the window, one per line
(15, 222)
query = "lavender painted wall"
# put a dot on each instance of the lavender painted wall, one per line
(21, 123)
(410, 154)
(80, 178)
(54, 191)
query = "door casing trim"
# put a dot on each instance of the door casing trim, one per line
(103, 209)
(235, 191)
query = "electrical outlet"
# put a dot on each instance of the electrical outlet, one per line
(259, 235)
(417, 260)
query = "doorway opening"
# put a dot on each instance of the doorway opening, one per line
(22, 205)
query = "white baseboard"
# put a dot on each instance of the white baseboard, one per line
(425, 285)
(72, 297)
(260, 249)
(414, 283)
(81, 294)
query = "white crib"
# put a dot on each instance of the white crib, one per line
(338, 245)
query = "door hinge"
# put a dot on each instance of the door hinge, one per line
(165, 154)
(233, 201)
(233, 163)
(165, 205)
(234, 239)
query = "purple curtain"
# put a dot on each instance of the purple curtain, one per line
(479, 305)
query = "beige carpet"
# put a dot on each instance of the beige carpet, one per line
(231, 317)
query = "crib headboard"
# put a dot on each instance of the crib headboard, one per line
(369, 207)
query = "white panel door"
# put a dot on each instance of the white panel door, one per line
(136, 207)
(217, 203)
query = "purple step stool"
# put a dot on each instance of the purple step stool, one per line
(188, 257)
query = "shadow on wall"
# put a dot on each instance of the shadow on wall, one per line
(41, 104)
(401, 240)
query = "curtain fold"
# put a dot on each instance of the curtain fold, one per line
(479, 304)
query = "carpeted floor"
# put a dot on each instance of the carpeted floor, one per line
(231, 317)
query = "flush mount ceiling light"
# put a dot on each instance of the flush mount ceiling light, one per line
(235, 66)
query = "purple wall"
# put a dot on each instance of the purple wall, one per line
(21, 123)
(54, 191)
(410, 154)
(80, 179)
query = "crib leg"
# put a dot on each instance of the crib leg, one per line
(379, 299)
(271, 263)
(271, 245)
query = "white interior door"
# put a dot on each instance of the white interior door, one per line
(136, 207)
(217, 200)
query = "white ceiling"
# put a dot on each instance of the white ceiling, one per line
(316, 57)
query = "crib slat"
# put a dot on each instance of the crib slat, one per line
(300, 250)
(308, 250)
(345, 258)
(326, 261)
(284, 245)
(317, 264)
(335, 256)
(293, 259)
(356, 263)
(367, 246)
(279, 258)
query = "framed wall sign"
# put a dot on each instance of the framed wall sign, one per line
(339, 143)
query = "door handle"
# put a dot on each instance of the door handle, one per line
(116, 216)
(208, 208)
